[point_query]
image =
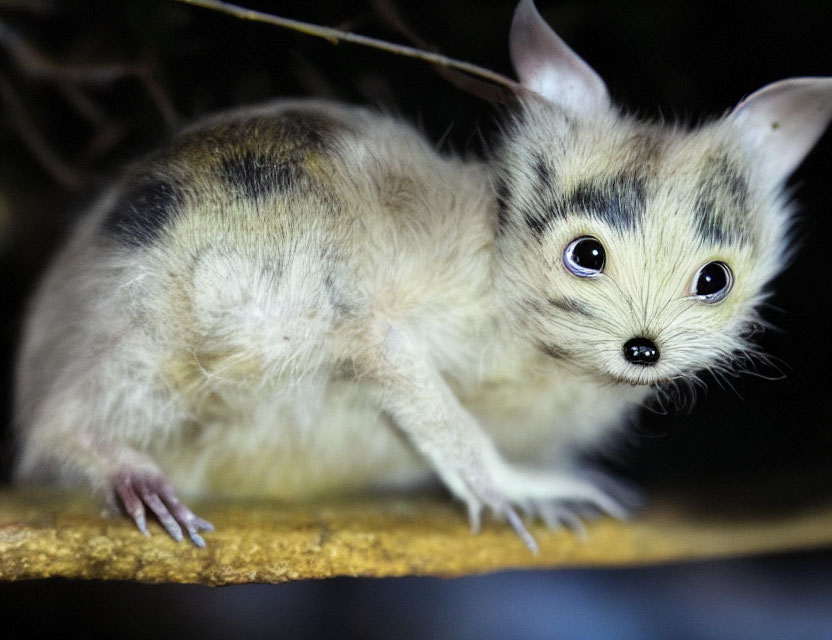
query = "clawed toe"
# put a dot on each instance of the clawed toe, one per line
(560, 501)
(618, 498)
(139, 491)
(520, 529)
(557, 516)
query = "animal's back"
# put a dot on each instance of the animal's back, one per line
(230, 281)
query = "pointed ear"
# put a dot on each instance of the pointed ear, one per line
(546, 65)
(780, 123)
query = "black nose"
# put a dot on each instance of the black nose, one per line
(641, 351)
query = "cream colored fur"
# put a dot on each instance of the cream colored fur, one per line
(387, 314)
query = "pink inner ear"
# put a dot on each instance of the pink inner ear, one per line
(546, 65)
(780, 123)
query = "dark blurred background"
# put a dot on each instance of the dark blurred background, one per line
(85, 86)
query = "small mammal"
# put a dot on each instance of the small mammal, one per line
(304, 297)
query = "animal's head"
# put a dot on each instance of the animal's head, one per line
(639, 252)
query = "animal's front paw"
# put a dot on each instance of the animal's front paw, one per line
(561, 499)
(137, 489)
(558, 499)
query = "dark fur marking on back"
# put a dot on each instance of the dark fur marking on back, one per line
(264, 153)
(721, 207)
(254, 176)
(144, 210)
(282, 132)
(310, 128)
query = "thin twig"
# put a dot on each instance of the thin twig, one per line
(35, 142)
(105, 139)
(37, 65)
(485, 90)
(335, 36)
(85, 107)
(158, 95)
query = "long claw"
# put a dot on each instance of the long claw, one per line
(186, 517)
(141, 523)
(132, 504)
(518, 526)
(574, 523)
(194, 526)
(138, 490)
(474, 518)
(622, 497)
(197, 539)
(168, 521)
(550, 516)
(203, 525)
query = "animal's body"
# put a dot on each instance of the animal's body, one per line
(304, 298)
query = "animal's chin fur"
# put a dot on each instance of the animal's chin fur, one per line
(638, 381)
(610, 378)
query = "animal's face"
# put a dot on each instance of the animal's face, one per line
(634, 253)
(637, 252)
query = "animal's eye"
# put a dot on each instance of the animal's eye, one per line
(585, 257)
(713, 282)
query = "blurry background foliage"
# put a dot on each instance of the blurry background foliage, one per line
(88, 85)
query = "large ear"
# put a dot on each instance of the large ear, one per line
(546, 65)
(779, 124)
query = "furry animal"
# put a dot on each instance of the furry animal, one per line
(304, 297)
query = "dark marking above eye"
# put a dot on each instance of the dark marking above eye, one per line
(541, 171)
(721, 206)
(619, 202)
(617, 199)
(538, 220)
(536, 223)
(144, 210)
(502, 193)
(254, 176)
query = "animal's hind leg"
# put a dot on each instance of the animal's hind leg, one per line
(97, 428)
(129, 480)
(137, 490)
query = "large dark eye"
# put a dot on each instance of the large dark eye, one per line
(713, 282)
(585, 257)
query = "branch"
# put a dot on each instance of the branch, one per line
(35, 142)
(335, 36)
